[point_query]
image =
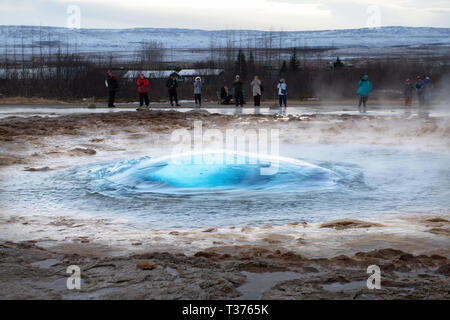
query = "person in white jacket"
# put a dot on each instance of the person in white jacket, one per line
(257, 91)
(198, 91)
(282, 92)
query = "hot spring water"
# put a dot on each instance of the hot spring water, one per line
(208, 172)
(312, 183)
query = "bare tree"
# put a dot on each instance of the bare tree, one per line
(151, 53)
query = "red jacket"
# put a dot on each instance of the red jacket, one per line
(142, 85)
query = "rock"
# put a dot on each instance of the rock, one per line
(308, 269)
(339, 278)
(403, 269)
(37, 169)
(92, 106)
(199, 112)
(6, 160)
(444, 270)
(206, 254)
(406, 257)
(272, 241)
(348, 223)
(386, 254)
(437, 219)
(437, 257)
(342, 257)
(145, 265)
(300, 240)
(82, 152)
(387, 267)
(439, 231)
(210, 230)
(293, 224)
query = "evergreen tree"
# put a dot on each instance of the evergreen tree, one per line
(294, 65)
(251, 63)
(241, 64)
(338, 63)
(283, 68)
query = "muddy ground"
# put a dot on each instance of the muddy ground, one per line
(297, 261)
(37, 140)
(28, 271)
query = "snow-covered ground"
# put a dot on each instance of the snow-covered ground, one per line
(189, 44)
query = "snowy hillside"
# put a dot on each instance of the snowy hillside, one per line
(129, 40)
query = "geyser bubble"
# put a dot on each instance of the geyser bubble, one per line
(207, 172)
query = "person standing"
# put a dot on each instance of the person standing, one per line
(112, 84)
(365, 87)
(257, 91)
(282, 92)
(428, 86)
(238, 91)
(420, 87)
(225, 95)
(408, 93)
(172, 84)
(198, 91)
(142, 85)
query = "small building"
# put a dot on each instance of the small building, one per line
(202, 73)
(151, 74)
(182, 75)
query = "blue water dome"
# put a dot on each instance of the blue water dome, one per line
(211, 171)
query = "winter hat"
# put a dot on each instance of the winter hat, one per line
(198, 79)
(407, 80)
(282, 80)
(142, 75)
(419, 77)
(238, 77)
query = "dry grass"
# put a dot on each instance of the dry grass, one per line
(31, 100)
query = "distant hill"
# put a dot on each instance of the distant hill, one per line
(127, 41)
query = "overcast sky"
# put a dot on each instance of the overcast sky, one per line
(229, 14)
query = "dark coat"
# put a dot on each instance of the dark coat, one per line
(238, 86)
(113, 85)
(223, 93)
(172, 83)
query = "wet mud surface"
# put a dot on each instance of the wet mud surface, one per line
(328, 260)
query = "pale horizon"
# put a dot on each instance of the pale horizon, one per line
(259, 15)
(212, 30)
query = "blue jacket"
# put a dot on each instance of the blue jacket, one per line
(420, 86)
(427, 85)
(197, 87)
(365, 87)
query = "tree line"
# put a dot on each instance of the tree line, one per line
(63, 74)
